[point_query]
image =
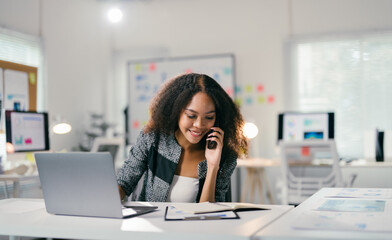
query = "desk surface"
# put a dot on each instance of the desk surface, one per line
(365, 163)
(257, 162)
(15, 177)
(286, 227)
(264, 162)
(28, 217)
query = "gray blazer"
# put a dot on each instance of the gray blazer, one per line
(157, 155)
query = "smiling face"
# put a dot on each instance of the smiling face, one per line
(196, 119)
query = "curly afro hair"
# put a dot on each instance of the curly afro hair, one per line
(177, 93)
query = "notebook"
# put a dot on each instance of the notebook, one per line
(210, 207)
(82, 184)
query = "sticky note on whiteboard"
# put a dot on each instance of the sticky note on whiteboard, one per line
(305, 151)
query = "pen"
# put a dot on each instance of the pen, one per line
(202, 218)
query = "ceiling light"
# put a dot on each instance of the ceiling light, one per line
(115, 15)
(62, 128)
(250, 130)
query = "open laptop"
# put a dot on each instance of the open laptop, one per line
(82, 184)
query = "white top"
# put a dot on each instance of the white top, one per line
(183, 189)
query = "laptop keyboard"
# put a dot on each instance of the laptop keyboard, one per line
(128, 211)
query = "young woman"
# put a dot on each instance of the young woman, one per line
(176, 151)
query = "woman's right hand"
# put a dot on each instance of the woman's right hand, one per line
(213, 156)
(122, 193)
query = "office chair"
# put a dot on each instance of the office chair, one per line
(115, 146)
(5, 188)
(308, 166)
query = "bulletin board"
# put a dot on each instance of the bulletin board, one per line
(18, 86)
(146, 76)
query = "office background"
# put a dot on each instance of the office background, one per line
(86, 56)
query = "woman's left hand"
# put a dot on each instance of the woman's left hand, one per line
(213, 156)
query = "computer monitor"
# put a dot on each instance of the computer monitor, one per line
(27, 131)
(301, 126)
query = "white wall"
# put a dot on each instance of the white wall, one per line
(78, 63)
(86, 56)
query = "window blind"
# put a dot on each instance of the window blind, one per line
(24, 49)
(351, 76)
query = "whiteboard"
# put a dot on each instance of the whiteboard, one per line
(146, 76)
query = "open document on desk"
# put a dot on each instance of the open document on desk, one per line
(208, 210)
(209, 207)
(172, 213)
(350, 209)
(368, 193)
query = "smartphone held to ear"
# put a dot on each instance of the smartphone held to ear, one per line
(210, 143)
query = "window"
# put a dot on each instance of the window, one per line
(27, 50)
(351, 76)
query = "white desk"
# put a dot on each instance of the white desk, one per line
(28, 217)
(368, 174)
(16, 179)
(283, 228)
(365, 163)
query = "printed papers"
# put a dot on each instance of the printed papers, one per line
(350, 209)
